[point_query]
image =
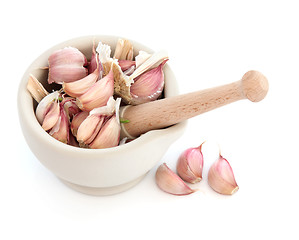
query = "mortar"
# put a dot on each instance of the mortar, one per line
(94, 171)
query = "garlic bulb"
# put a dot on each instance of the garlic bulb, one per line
(190, 165)
(221, 177)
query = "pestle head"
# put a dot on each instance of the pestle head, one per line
(254, 86)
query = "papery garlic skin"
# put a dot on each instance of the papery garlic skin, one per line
(170, 182)
(98, 94)
(67, 65)
(221, 177)
(148, 86)
(190, 165)
(108, 136)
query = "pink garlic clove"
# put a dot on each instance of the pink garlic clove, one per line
(45, 105)
(221, 177)
(108, 135)
(61, 129)
(148, 86)
(52, 116)
(77, 120)
(170, 182)
(89, 129)
(66, 65)
(190, 165)
(98, 94)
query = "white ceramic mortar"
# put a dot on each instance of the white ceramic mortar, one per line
(94, 171)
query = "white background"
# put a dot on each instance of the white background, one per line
(210, 43)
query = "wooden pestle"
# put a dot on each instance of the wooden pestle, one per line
(168, 111)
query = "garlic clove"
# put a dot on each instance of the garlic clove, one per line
(77, 120)
(170, 182)
(148, 86)
(67, 65)
(89, 128)
(60, 131)
(108, 136)
(221, 177)
(190, 165)
(44, 106)
(52, 116)
(98, 94)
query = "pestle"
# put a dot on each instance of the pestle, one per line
(168, 111)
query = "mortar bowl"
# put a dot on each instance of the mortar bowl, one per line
(94, 171)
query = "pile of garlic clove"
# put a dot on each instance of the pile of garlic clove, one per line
(85, 111)
(189, 169)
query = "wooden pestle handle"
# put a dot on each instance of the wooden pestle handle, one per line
(168, 111)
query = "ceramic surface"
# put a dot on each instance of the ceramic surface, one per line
(94, 171)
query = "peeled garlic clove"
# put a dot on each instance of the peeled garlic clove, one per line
(52, 116)
(171, 183)
(44, 106)
(190, 165)
(148, 86)
(66, 65)
(221, 177)
(98, 94)
(108, 136)
(77, 120)
(61, 129)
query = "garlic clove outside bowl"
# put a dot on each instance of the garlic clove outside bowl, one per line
(94, 171)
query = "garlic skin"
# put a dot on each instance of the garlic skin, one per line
(190, 165)
(148, 86)
(98, 94)
(170, 182)
(221, 177)
(67, 65)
